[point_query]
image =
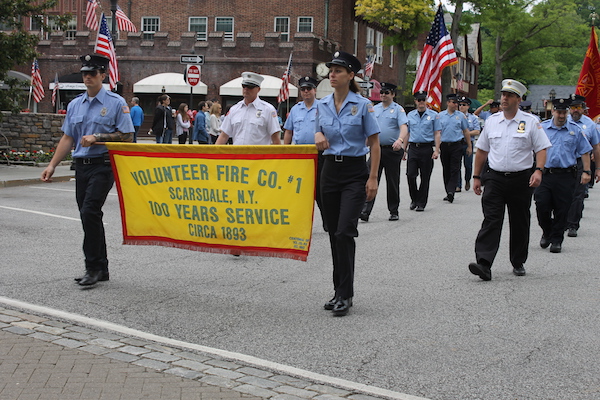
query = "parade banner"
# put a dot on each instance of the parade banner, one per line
(252, 200)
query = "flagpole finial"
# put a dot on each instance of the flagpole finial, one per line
(593, 17)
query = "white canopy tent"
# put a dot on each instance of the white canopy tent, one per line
(269, 88)
(171, 82)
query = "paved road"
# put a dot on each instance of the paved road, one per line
(421, 324)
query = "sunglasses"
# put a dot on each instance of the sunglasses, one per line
(420, 100)
(385, 92)
(90, 73)
(306, 89)
(452, 101)
(249, 86)
(576, 107)
(463, 104)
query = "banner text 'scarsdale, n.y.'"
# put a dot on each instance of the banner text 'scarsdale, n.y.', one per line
(253, 200)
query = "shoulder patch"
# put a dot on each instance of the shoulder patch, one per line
(539, 125)
(125, 109)
(274, 114)
(370, 107)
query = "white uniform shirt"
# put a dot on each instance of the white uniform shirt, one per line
(251, 124)
(511, 143)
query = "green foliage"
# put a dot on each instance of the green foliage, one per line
(17, 45)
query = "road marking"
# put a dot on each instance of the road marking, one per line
(64, 190)
(41, 213)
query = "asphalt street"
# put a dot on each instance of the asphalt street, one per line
(421, 323)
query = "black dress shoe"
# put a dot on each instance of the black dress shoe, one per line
(544, 243)
(572, 232)
(483, 271)
(519, 271)
(90, 278)
(420, 208)
(394, 217)
(330, 304)
(342, 307)
(104, 276)
(555, 248)
(413, 205)
(364, 217)
(450, 197)
(446, 198)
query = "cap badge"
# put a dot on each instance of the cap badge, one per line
(336, 54)
(561, 101)
(88, 58)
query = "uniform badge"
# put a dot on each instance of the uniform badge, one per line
(392, 111)
(571, 133)
(521, 128)
(428, 118)
(125, 109)
(584, 127)
(103, 111)
(354, 110)
(258, 113)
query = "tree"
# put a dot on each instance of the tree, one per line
(406, 18)
(18, 45)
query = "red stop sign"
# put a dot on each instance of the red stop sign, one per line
(193, 75)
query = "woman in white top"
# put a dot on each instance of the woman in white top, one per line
(214, 128)
(182, 123)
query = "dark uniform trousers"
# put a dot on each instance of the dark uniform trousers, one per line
(576, 209)
(419, 162)
(390, 161)
(320, 162)
(503, 191)
(92, 184)
(553, 199)
(451, 155)
(343, 194)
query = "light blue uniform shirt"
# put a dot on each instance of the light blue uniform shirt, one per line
(568, 144)
(106, 113)
(347, 132)
(453, 126)
(301, 121)
(473, 123)
(390, 120)
(422, 129)
(588, 127)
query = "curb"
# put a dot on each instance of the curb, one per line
(25, 182)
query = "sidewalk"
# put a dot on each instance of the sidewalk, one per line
(58, 356)
(20, 175)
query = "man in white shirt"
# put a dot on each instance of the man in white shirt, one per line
(252, 121)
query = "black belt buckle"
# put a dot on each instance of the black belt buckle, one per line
(87, 161)
(338, 158)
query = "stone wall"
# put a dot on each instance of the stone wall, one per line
(31, 132)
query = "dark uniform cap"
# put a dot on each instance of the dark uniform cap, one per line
(308, 81)
(420, 95)
(92, 62)
(463, 99)
(525, 105)
(561, 104)
(452, 96)
(495, 104)
(388, 86)
(577, 99)
(345, 60)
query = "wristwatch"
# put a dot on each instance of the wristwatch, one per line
(539, 169)
(587, 172)
(97, 136)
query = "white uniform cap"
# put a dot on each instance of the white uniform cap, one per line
(510, 85)
(251, 78)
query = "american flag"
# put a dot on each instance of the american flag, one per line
(438, 53)
(104, 46)
(284, 92)
(55, 90)
(369, 67)
(123, 22)
(36, 82)
(91, 20)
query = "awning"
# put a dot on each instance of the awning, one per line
(171, 82)
(324, 88)
(74, 82)
(269, 87)
(18, 75)
(375, 95)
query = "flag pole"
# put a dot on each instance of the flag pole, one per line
(29, 100)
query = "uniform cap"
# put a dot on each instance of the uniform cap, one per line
(577, 99)
(420, 95)
(307, 81)
(92, 62)
(252, 79)
(495, 104)
(452, 96)
(512, 86)
(463, 99)
(345, 60)
(561, 104)
(388, 86)
(525, 105)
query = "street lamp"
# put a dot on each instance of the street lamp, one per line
(370, 52)
(113, 8)
(552, 94)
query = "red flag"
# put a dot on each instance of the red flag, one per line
(369, 67)
(36, 82)
(123, 22)
(437, 54)
(589, 78)
(104, 46)
(284, 92)
(91, 20)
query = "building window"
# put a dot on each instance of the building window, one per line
(282, 25)
(150, 25)
(305, 24)
(225, 24)
(391, 56)
(200, 26)
(355, 38)
(379, 47)
(36, 26)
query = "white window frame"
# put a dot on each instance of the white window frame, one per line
(285, 35)
(379, 47)
(392, 56)
(303, 23)
(227, 35)
(355, 38)
(203, 36)
(149, 34)
(109, 23)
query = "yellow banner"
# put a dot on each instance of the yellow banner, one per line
(253, 200)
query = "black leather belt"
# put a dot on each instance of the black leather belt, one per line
(340, 158)
(386, 146)
(419, 144)
(561, 170)
(95, 160)
(510, 173)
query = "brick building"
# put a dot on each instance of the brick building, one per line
(232, 35)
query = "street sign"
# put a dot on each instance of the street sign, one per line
(366, 85)
(191, 59)
(193, 75)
